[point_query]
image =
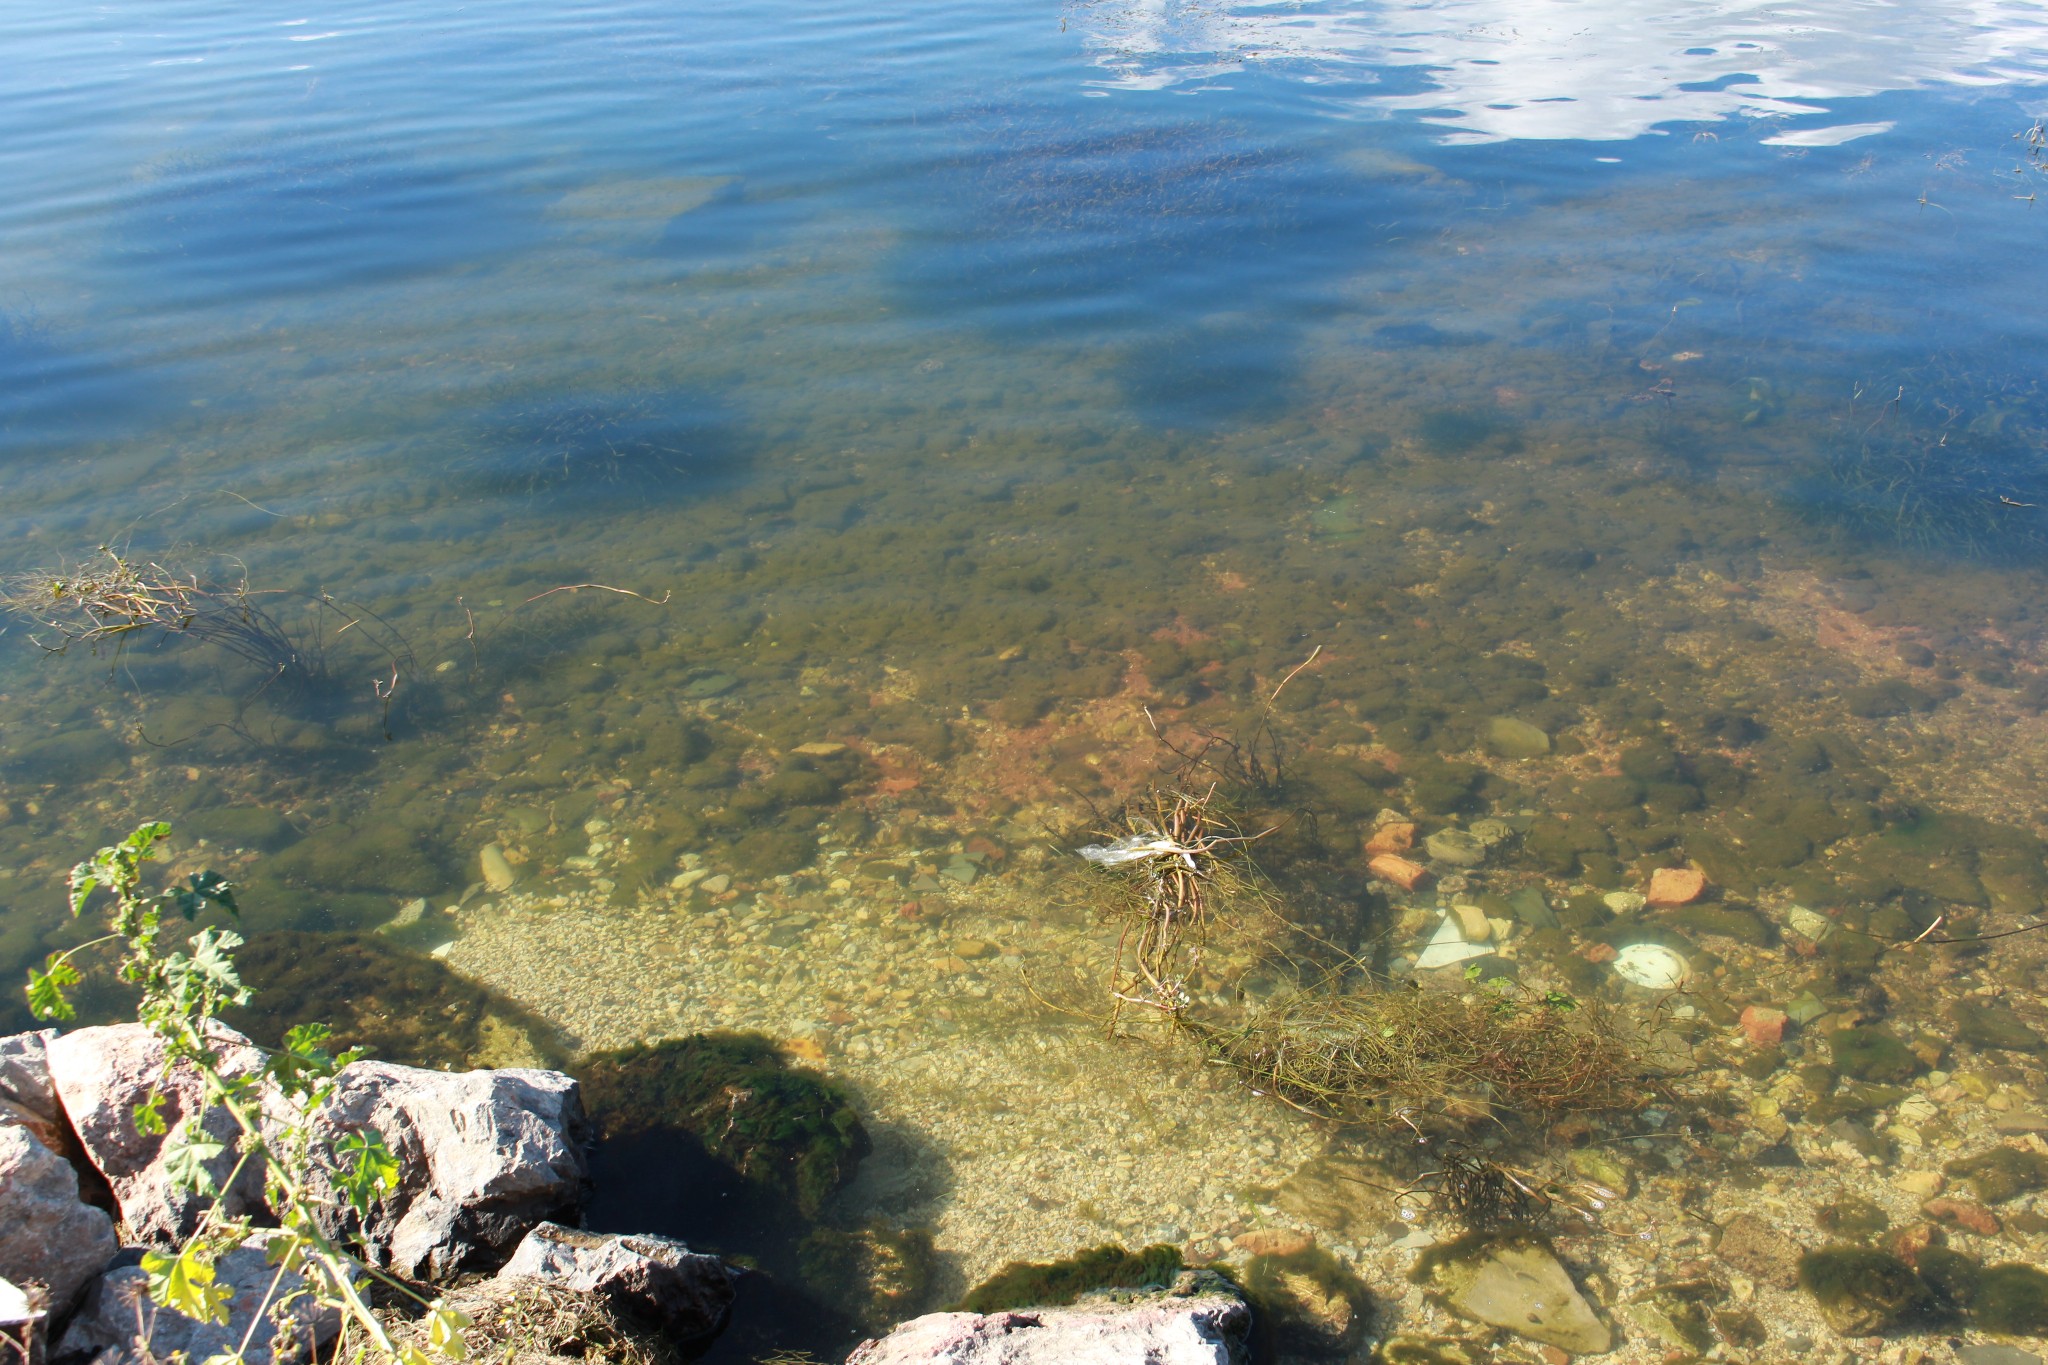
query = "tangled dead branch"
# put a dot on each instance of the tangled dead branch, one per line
(1177, 859)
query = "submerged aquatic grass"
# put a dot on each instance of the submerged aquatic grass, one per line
(1409, 1053)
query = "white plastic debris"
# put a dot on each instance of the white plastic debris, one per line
(1651, 966)
(1448, 946)
(1135, 848)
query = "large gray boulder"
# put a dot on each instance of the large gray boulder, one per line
(1199, 1322)
(47, 1233)
(101, 1074)
(117, 1316)
(27, 1097)
(483, 1156)
(656, 1280)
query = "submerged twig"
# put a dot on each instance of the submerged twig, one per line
(1174, 852)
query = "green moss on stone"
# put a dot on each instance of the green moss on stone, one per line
(1053, 1284)
(1860, 1291)
(780, 1127)
(2011, 1299)
(2001, 1173)
(1306, 1303)
(1872, 1053)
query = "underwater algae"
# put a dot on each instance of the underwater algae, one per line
(737, 1095)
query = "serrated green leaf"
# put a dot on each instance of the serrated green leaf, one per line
(46, 998)
(149, 1116)
(139, 843)
(185, 1284)
(84, 880)
(185, 1157)
(367, 1168)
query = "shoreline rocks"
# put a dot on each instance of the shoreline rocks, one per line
(1201, 1320)
(101, 1074)
(483, 1155)
(47, 1233)
(655, 1280)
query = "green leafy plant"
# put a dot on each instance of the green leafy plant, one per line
(274, 1108)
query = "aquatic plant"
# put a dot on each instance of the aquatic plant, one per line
(620, 444)
(1955, 465)
(113, 603)
(1408, 1053)
(738, 1096)
(1176, 859)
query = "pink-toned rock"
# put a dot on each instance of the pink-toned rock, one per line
(1400, 871)
(1676, 886)
(1961, 1213)
(1396, 836)
(1763, 1026)
(101, 1074)
(1195, 1328)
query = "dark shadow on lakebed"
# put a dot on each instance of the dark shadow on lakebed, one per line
(718, 1140)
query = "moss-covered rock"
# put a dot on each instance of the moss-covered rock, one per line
(1860, 1291)
(1995, 1026)
(2001, 1173)
(376, 856)
(737, 1095)
(877, 1274)
(240, 827)
(1053, 1284)
(1306, 1303)
(2011, 1299)
(1872, 1053)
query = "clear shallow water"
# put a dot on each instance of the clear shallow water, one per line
(968, 382)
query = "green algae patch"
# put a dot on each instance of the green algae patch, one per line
(1853, 1217)
(737, 1095)
(1862, 1292)
(1306, 1302)
(377, 856)
(402, 1006)
(2002, 1173)
(2011, 1299)
(1872, 1053)
(1054, 1284)
(875, 1273)
(1995, 1026)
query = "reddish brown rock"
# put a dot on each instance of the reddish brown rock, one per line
(1907, 1243)
(1676, 886)
(1961, 1213)
(1273, 1242)
(1763, 1026)
(1396, 836)
(1401, 872)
